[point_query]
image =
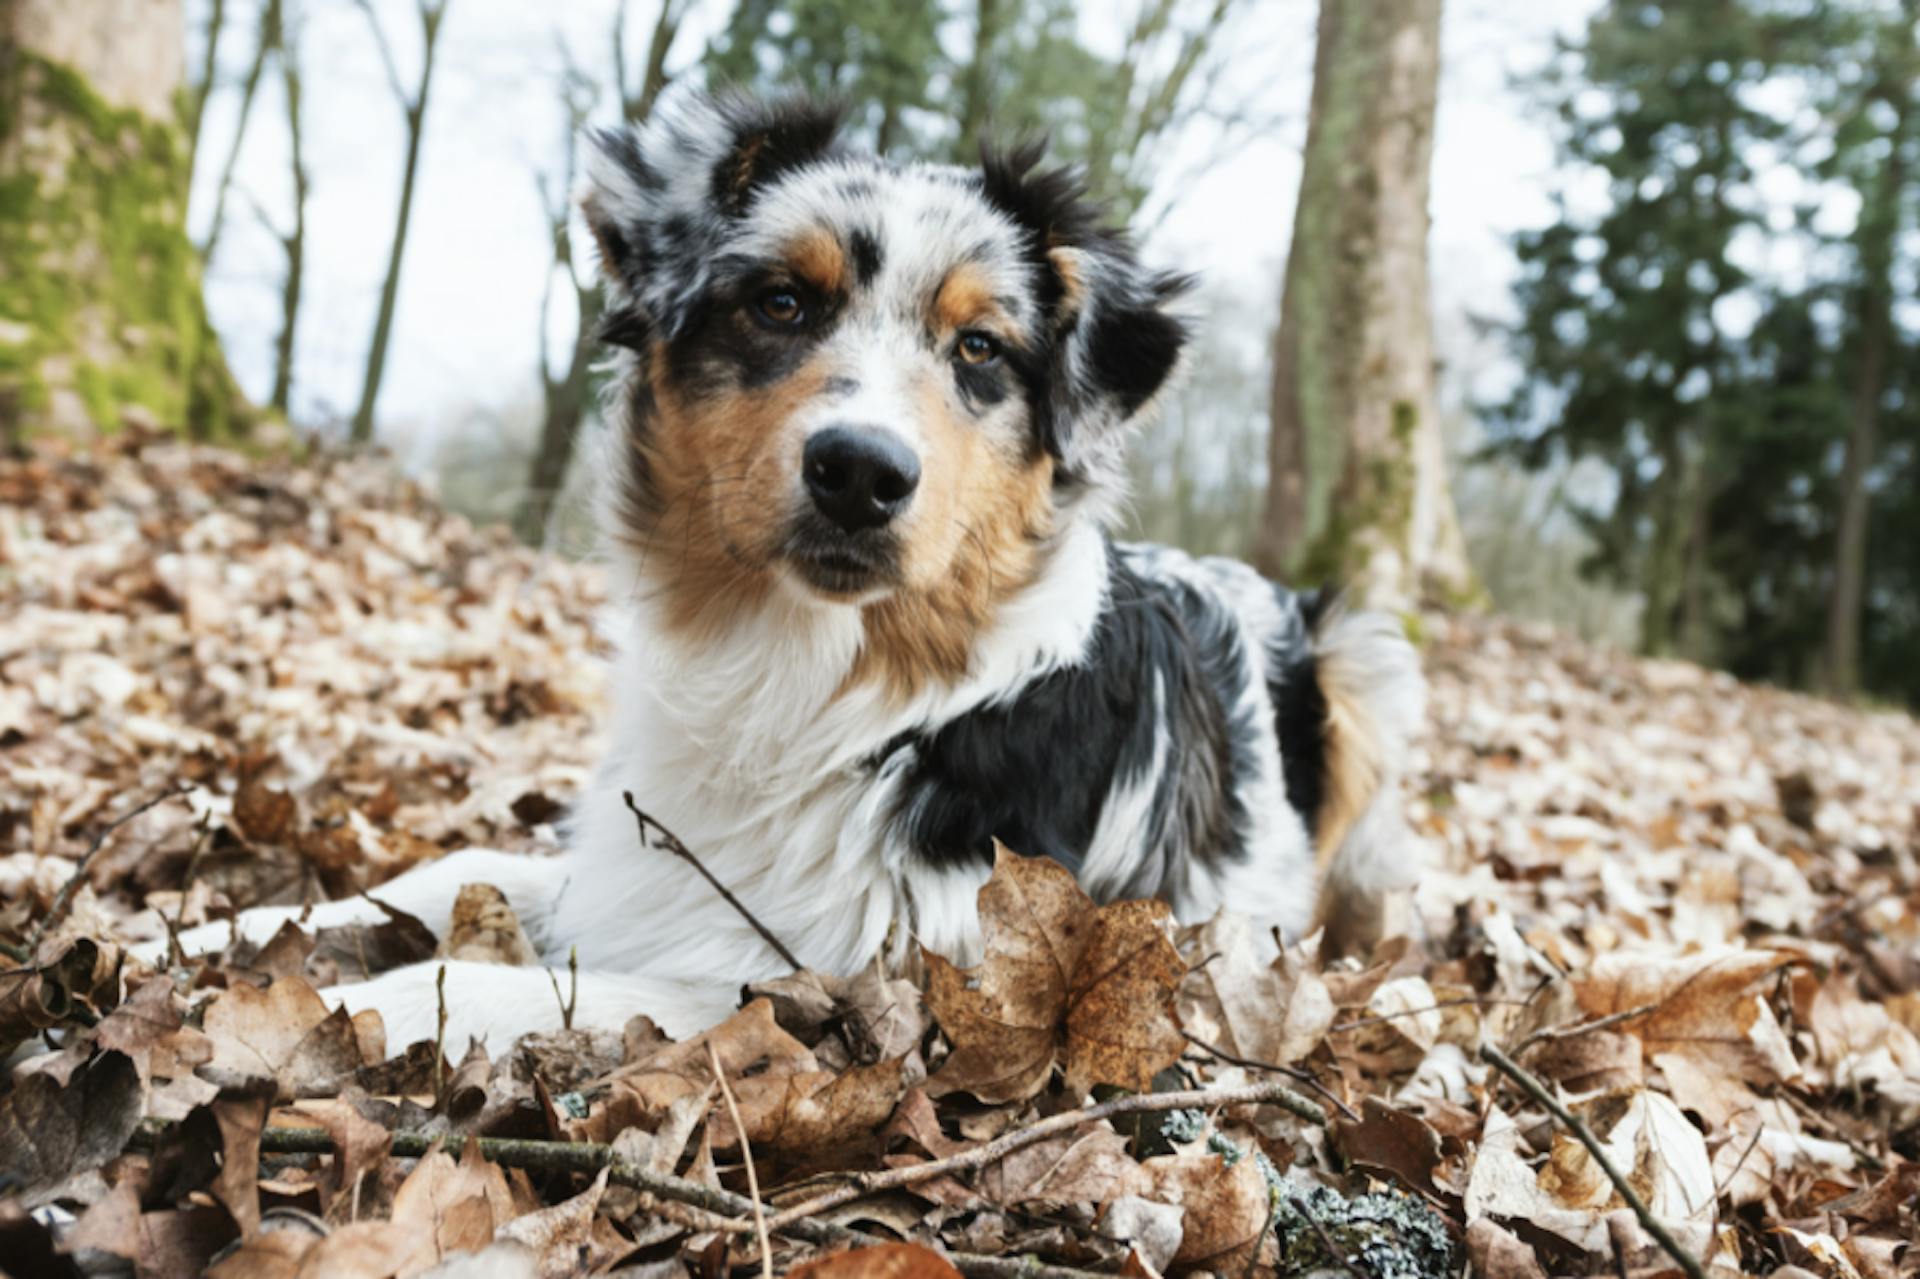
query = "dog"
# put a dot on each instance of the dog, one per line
(866, 442)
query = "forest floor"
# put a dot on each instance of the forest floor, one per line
(1686, 908)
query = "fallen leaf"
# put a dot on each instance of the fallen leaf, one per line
(485, 929)
(285, 1033)
(883, 1261)
(51, 1131)
(1226, 1207)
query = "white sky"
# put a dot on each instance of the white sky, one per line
(464, 345)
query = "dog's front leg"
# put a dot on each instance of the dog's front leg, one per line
(497, 1003)
(426, 892)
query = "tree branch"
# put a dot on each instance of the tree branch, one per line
(394, 82)
(672, 844)
(867, 1183)
(64, 898)
(1536, 1090)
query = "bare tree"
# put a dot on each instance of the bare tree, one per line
(266, 41)
(201, 87)
(413, 108)
(565, 392)
(293, 240)
(1358, 489)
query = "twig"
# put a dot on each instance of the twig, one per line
(1536, 1090)
(671, 842)
(867, 1183)
(1583, 1027)
(1758, 1131)
(64, 898)
(724, 1210)
(746, 1155)
(176, 956)
(1291, 1072)
(1334, 1251)
(440, 1035)
(1471, 1001)
(572, 1000)
(1266, 1227)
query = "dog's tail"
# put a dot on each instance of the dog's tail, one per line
(1368, 675)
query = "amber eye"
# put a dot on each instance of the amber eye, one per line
(978, 348)
(782, 308)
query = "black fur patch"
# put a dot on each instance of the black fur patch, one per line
(1037, 771)
(1300, 714)
(771, 137)
(867, 258)
(1131, 351)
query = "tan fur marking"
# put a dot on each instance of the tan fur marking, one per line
(723, 466)
(817, 258)
(978, 518)
(1355, 769)
(966, 300)
(1066, 265)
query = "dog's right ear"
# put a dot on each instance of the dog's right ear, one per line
(662, 198)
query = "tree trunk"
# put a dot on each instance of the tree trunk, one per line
(566, 407)
(975, 83)
(1358, 485)
(1880, 228)
(101, 312)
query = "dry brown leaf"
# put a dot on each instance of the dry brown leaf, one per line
(1120, 1025)
(285, 1033)
(1058, 978)
(1390, 1142)
(1705, 1006)
(1090, 1165)
(1496, 1254)
(237, 1186)
(883, 1261)
(452, 1207)
(51, 1131)
(1225, 1209)
(485, 929)
(263, 814)
(568, 1239)
(359, 1144)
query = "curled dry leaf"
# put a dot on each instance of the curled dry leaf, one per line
(486, 930)
(1225, 1209)
(284, 1033)
(885, 1261)
(1059, 979)
(52, 1131)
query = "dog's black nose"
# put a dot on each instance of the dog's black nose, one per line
(860, 478)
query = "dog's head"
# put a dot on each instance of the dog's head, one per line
(881, 386)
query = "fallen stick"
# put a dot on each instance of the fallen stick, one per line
(725, 1210)
(1291, 1072)
(1536, 1090)
(861, 1184)
(671, 842)
(746, 1155)
(63, 899)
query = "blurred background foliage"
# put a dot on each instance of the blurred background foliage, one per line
(1690, 426)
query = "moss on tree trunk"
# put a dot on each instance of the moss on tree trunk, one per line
(101, 309)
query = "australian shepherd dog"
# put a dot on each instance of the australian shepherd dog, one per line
(867, 434)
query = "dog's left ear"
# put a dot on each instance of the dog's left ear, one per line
(1117, 328)
(660, 199)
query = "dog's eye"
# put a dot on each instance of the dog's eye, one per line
(782, 308)
(978, 348)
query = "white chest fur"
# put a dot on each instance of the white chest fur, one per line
(753, 753)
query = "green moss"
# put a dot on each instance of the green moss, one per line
(1373, 504)
(98, 269)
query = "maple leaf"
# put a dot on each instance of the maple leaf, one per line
(1060, 981)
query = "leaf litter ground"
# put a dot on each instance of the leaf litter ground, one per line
(1685, 907)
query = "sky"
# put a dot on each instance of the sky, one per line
(465, 346)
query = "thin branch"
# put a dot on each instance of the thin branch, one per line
(867, 1183)
(1471, 1001)
(1583, 1027)
(394, 82)
(64, 898)
(1292, 1072)
(672, 844)
(1536, 1090)
(746, 1155)
(727, 1211)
